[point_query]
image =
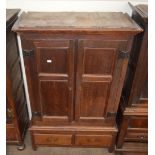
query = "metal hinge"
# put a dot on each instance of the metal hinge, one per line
(27, 53)
(123, 54)
(111, 114)
(36, 113)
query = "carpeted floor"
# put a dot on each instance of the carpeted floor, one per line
(11, 150)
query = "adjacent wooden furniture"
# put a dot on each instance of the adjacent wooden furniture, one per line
(75, 66)
(133, 111)
(16, 108)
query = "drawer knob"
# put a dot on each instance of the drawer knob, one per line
(49, 61)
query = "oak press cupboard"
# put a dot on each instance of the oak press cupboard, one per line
(75, 68)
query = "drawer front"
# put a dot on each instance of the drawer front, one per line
(53, 139)
(93, 140)
(136, 136)
(138, 122)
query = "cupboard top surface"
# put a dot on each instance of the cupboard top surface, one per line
(76, 21)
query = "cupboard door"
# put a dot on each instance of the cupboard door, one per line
(52, 72)
(100, 74)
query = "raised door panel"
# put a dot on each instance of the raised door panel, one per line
(53, 60)
(99, 60)
(53, 96)
(93, 99)
(97, 64)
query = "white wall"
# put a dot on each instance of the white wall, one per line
(73, 5)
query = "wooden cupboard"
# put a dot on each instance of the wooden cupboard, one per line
(16, 109)
(75, 67)
(133, 109)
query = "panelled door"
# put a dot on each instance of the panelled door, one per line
(100, 71)
(53, 63)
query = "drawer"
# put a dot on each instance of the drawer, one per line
(138, 122)
(140, 136)
(93, 140)
(53, 139)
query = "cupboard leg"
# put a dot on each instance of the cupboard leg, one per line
(34, 147)
(111, 149)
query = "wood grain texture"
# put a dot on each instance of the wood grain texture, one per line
(53, 139)
(93, 140)
(54, 98)
(76, 21)
(11, 150)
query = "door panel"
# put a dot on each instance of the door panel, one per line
(53, 94)
(53, 62)
(96, 68)
(93, 99)
(99, 60)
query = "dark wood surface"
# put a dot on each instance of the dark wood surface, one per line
(75, 79)
(76, 21)
(133, 111)
(16, 108)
